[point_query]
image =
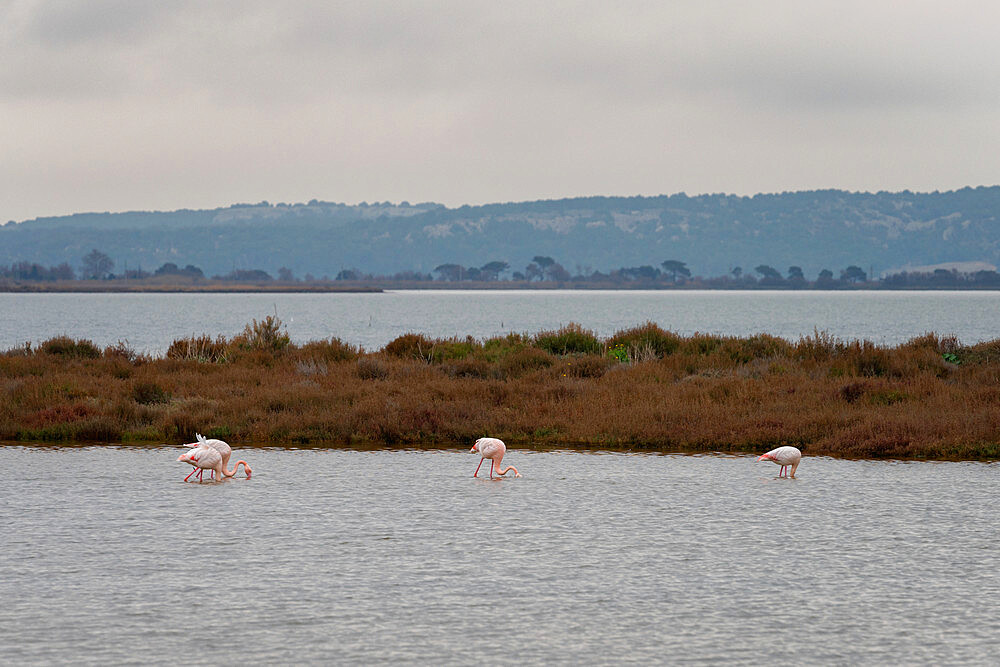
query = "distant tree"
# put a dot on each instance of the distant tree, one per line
(63, 272)
(285, 275)
(344, 274)
(558, 272)
(795, 273)
(646, 273)
(533, 271)
(168, 269)
(986, 278)
(825, 279)
(853, 274)
(193, 271)
(676, 268)
(543, 263)
(737, 272)
(492, 270)
(96, 265)
(945, 277)
(450, 272)
(768, 273)
(473, 273)
(517, 275)
(247, 275)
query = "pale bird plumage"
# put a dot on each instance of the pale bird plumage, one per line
(494, 450)
(211, 454)
(786, 457)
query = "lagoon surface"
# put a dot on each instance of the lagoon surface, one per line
(375, 557)
(150, 322)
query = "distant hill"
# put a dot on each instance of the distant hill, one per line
(824, 229)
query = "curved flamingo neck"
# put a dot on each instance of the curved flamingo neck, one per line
(236, 468)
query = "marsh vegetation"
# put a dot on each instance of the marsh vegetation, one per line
(642, 388)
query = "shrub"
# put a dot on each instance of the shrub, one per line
(411, 346)
(821, 346)
(525, 360)
(475, 368)
(147, 393)
(853, 391)
(587, 366)
(570, 339)
(67, 347)
(371, 368)
(453, 349)
(200, 348)
(263, 336)
(19, 351)
(120, 350)
(869, 360)
(330, 350)
(701, 344)
(494, 349)
(646, 342)
(760, 346)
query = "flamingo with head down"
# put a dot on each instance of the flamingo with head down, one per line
(492, 449)
(204, 458)
(218, 445)
(785, 457)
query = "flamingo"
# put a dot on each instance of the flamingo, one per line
(218, 445)
(786, 456)
(204, 458)
(492, 449)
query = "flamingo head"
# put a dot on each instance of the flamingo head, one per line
(188, 457)
(765, 457)
(248, 470)
(475, 448)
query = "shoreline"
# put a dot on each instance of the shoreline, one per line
(102, 287)
(575, 448)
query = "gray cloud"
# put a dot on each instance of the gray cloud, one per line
(445, 99)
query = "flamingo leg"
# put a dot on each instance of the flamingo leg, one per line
(478, 467)
(193, 471)
(201, 471)
(491, 468)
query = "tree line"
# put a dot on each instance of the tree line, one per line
(96, 265)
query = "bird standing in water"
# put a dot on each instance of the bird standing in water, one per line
(785, 457)
(204, 458)
(492, 449)
(220, 446)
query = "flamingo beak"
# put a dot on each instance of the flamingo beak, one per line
(182, 457)
(763, 457)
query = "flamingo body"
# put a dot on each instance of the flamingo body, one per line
(220, 446)
(202, 458)
(786, 457)
(212, 455)
(494, 450)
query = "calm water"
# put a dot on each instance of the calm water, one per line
(374, 557)
(150, 322)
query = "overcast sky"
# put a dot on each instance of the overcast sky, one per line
(112, 105)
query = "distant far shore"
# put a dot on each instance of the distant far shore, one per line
(140, 286)
(112, 287)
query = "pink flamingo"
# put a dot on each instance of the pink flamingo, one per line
(492, 449)
(785, 457)
(206, 458)
(218, 445)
